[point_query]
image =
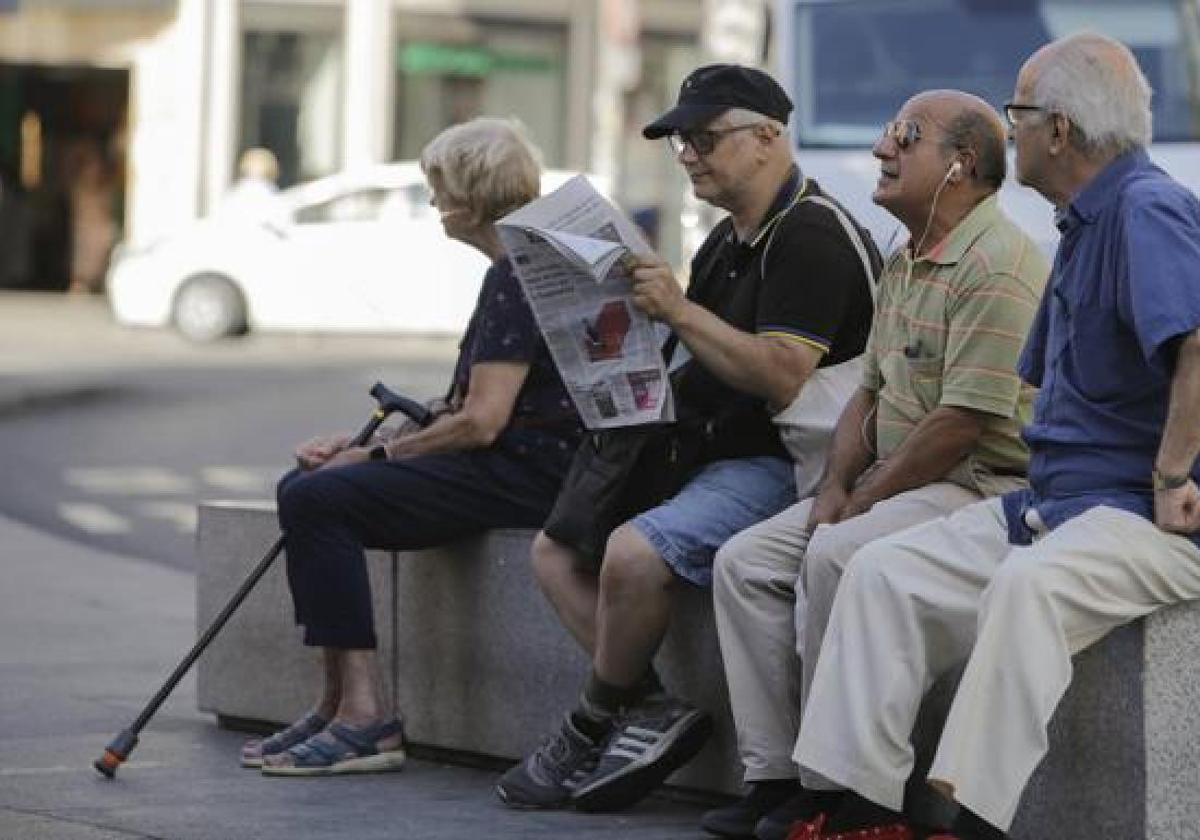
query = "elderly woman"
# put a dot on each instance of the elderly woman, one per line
(493, 457)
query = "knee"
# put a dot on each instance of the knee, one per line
(1019, 578)
(826, 560)
(551, 561)
(631, 565)
(303, 498)
(732, 568)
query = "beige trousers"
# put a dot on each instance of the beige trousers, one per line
(764, 619)
(914, 605)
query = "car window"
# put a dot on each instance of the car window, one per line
(855, 61)
(359, 206)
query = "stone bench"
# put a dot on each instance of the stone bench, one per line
(476, 661)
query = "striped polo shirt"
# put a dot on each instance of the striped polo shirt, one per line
(948, 330)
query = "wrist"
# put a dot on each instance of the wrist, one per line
(1164, 480)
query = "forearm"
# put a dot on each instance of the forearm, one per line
(1180, 443)
(760, 365)
(937, 444)
(448, 433)
(852, 450)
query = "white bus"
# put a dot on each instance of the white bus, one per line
(850, 64)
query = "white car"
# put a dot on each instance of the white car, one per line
(355, 252)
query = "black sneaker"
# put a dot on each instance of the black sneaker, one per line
(546, 778)
(654, 738)
(802, 806)
(738, 819)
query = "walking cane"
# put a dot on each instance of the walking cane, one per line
(121, 746)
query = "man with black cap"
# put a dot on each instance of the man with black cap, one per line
(781, 287)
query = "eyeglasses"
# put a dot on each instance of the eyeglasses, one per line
(704, 141)
(904, 132)
(1013, 110)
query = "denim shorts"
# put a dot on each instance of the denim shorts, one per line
(724, 498)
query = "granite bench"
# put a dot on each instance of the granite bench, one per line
(476, 661)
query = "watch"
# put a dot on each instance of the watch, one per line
(1162, 481)
(378, 453)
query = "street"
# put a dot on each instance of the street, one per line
(121, 463)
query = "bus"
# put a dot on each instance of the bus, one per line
(849, 65)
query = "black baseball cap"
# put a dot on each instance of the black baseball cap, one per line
(712, 90)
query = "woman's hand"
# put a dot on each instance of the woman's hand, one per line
(353, 455)
(316, 452)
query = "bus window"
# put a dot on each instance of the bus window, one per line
(853, 62)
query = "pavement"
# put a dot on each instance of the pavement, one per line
(86, 637)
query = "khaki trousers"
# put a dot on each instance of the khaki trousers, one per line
(763, 616)
(914, 605)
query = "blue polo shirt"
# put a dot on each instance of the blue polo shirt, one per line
(1125, 285)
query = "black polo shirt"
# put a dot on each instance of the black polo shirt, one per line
(809, 286)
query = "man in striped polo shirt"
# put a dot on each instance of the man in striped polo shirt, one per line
(933, 427)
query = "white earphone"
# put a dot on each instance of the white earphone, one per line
(955, 169)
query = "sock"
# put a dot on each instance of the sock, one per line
(855, 813)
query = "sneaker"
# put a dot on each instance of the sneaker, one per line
(653, 739)
(546, 778)
(738, 819)
(803, 805)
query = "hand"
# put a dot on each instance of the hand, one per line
(859, 502)
(353, 455)
(315, 452)
(1178, 510)
(655, 289)
(827, 509)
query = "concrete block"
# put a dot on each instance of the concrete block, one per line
(480, 664)
(484, 666)
(256, 668)
(477, 658)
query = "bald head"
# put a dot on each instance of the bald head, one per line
(1095, 82)
(970, 125)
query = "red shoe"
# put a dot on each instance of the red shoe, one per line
(810, 830)
(893, 831)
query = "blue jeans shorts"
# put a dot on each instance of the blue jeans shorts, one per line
(724, 498)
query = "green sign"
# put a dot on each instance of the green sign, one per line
(427, 58)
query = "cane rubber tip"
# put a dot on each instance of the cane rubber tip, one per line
(107, 764)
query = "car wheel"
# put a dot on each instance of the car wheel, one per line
(209, 307)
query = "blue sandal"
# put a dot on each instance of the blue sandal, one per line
(342, 748)
(299, 732)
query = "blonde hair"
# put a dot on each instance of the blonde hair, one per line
(487, 165)
(259, 163)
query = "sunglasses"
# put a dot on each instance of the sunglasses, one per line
(904, 132)
(702, 142)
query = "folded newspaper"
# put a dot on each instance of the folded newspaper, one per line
(567, 249)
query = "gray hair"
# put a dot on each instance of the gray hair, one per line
(1096, 83)
(744, 116)
(487, 165)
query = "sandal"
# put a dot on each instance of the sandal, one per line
(343, 748)
(299, 732)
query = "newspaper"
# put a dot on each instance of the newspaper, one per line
(567, 248)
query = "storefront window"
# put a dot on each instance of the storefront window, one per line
(452, 69)
(291, 100)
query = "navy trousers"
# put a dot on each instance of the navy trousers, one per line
(330, 516)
